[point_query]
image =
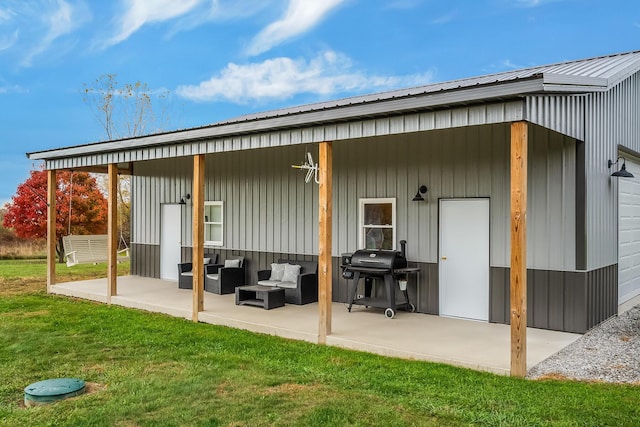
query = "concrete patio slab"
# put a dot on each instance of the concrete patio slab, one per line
(476, 345)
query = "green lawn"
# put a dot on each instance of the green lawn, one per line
(148, 369)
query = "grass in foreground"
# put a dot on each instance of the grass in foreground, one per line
(153, 370)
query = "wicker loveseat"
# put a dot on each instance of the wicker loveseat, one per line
(300, 284)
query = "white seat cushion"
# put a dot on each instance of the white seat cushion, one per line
(272, 283)
(187, 273)
(212, 276)
(287, 285)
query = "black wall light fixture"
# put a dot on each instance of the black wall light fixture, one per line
(418, 197)
(623, 172)
(182, 199)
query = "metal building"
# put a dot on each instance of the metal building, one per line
(583, 225)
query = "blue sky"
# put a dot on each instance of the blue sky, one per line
(223, 58)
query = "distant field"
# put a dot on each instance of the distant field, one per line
(21, 249)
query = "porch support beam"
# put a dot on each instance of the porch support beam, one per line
(518, 271)
(112, 232)
(325, 164)
(198, 236)
(51, 229)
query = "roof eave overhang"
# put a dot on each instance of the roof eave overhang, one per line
(422, 102)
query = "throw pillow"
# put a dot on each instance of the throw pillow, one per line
(291, 273)
(232, 263)
(277, 271)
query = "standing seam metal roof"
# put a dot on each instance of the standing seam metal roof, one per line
(578, 76)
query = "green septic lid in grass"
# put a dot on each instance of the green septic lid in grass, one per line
(49, 391)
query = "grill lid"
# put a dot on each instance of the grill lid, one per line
(383, 260)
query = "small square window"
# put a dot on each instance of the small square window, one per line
(377, 226)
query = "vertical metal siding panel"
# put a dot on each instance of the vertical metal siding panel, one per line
(339, 199)
(331, 132)
(537, 203)
(436, 144)
(460, 117)
(442, 119)
(306, 136)
(265, 182)
(368, 128)
(608, 124)
(414, 157)
(427, 121)
(296, 136)
(355, 130)
(411, 123)
(397, 185)
(461, 159)
(274, 214)
(474, 162)
(318, 134)
(500, 195)
(396, 124)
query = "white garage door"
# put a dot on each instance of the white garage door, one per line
(629, 234)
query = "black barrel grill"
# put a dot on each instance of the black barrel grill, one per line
(372, 265)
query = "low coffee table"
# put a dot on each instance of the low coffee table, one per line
(267, 297)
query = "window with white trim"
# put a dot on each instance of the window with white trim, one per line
(213, 223)
(377, 223)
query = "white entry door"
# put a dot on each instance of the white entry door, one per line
(170, 241)
(464, 258)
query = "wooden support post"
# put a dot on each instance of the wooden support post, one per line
(519, 143)
(198, 236)
(51, 229)
(325, 240)
(112, 232)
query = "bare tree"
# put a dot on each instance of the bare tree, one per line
(125, 111)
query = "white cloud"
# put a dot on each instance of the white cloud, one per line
(62, 19)
(280, 78)
(534, 3)
(6, 14)
(508, 64)
(8, 41)
(301, 16)
(140, 12)
(403, 4)
(444, 19)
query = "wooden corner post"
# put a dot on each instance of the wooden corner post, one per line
(325, 240)
(518, 273)
(112, 232)
(198, 236)
(51, 229)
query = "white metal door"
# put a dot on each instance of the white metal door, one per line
(170, 241)
(464, 258)
(629, 233)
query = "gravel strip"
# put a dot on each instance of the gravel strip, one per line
(610, 352)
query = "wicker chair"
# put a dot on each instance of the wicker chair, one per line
(224, 278)
(185, 271)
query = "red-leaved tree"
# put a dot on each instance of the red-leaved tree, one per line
(80, 207)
